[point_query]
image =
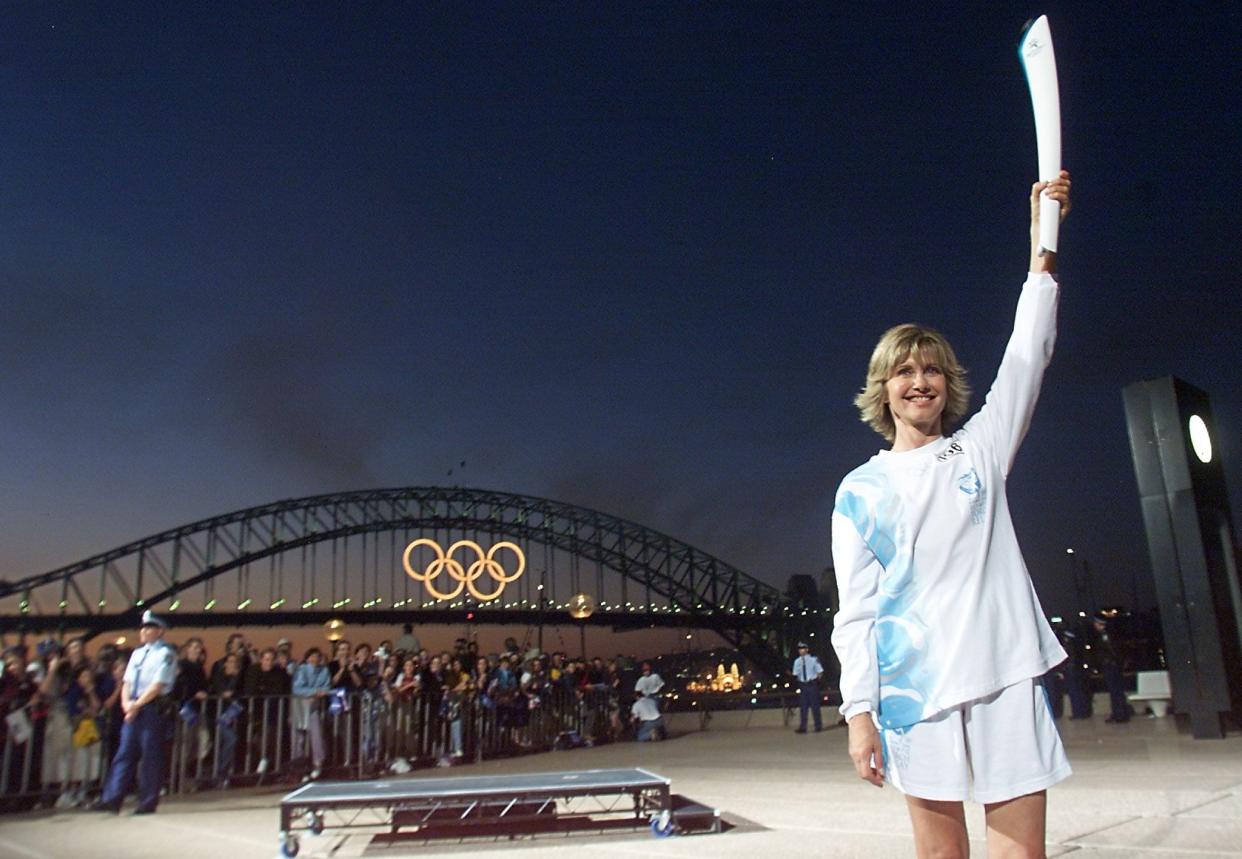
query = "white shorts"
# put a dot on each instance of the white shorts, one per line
(990, 749)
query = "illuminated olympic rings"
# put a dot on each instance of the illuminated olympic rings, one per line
(464, 576)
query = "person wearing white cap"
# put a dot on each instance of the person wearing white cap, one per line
(148, 679)
(808, 670)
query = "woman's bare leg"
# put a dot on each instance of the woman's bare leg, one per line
(1016, 827)
(939, 829)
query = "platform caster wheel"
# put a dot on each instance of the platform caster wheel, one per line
(289, 846)
(314, 822)
(662, 825)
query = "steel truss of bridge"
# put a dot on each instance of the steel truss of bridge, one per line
(302, 561)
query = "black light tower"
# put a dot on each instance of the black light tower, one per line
(1181, 485)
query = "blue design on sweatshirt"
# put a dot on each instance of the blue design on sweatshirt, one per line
(970, 484)
(901, 640)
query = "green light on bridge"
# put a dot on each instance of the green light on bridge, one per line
(211, 603)
(242, 605)
(340, 603)
(176, 604)
(276, 604)
(310, 603)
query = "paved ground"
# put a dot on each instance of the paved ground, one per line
(1139, 790)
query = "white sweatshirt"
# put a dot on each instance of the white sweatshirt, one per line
(937, 607)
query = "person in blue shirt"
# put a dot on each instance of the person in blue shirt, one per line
(807, 670)
(148, 679)
(311, 685)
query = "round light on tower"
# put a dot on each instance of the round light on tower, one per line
(1200, 439)
(581, 606)
(334, 630)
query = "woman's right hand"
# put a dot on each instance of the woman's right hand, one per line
(866, 750)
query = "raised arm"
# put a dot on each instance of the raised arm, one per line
(1058, 189)
(1005, 416)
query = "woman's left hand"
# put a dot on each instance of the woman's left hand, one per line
(1058, 189)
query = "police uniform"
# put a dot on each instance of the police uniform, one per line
(807, 669)
(142, 738)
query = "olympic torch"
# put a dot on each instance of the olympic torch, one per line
(1035, 53)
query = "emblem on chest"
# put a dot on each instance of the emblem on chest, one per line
(975, 494)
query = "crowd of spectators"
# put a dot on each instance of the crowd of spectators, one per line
(61, 713)
(61, 716)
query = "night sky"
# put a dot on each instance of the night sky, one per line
(632, 256)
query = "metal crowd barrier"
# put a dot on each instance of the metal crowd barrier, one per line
(46, 764)
(214, 743)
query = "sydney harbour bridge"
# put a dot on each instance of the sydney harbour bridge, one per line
(414, 555)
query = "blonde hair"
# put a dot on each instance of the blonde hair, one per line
(898, 344)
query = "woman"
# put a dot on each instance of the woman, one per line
(408, 681)
(940, 635)
(82, 702)
(615, 693)
(511, 709)
(17, 690)
(310, 687)
(58, 735)
(191, 684)
(190, 691)
(226, 688)
(456, 688)
(266, 686)
(372, 706)
(431, 690)
(109, 674)
(341, 669)
(482, 679)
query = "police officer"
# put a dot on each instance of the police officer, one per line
(808, 671)
(148, 679)
(1110, 660)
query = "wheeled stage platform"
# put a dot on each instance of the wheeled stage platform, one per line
(492, 805)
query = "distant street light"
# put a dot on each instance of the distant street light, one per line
(543, 605)
(334, 630)
(581, 607)
(1083, 585)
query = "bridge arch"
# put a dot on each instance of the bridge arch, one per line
(298, 561)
